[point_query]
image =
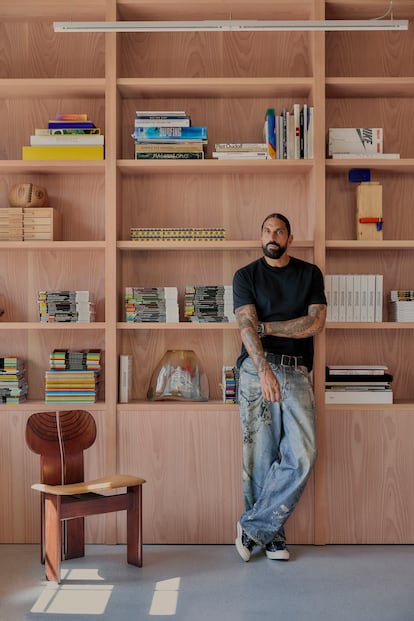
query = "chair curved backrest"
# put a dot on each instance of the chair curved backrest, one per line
(60, 438)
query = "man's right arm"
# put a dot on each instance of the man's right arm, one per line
(247, 320)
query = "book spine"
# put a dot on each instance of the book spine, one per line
(125, 378)
(296, 125)
(269, 133)
(162, 122)
(70, 124)
(66, 139)
(152, 133)
(55, 152)
(154, 155)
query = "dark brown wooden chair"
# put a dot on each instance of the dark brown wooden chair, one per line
(66, 498)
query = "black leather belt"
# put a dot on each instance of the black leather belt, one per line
(285, 360)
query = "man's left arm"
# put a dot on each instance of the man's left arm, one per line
(301, 327)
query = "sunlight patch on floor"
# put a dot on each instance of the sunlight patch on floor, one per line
(165, 597)
(73, 597)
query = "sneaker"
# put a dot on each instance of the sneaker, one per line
(244, 545)
(277, 551)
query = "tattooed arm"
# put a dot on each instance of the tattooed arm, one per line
(301, 327)
(246, 317)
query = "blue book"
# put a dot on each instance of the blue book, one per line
(196, 132)
(70, 125)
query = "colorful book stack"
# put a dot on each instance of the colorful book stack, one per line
(294, 130)
(65, 306)
(168, 134)
(229, 384)
(177, 234)
(241, 151)
(365, 383)
(401, 305)
(68, 137)
(13, 383)
(154, 304)
(73, 376)
(208, 303)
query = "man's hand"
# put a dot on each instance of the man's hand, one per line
(269, 384)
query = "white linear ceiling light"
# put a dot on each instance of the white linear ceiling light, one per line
(232, 25)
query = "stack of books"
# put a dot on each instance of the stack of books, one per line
(166, 135)
(229, 384)
(65, 306)
(73, 377)
(357, 143)
(41, 223)
(29, 223)
(290, 134)
(240, 151)
(354, 297)
(68, 137)
(11, 224)
(154, 304)
(208, 303)
(401, 305)
(13, 382)
(365, 383)
(177, 234)
(86, 359)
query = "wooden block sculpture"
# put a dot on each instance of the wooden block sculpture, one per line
(369, 211)
(66, 498)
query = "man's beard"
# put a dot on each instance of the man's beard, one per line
(274, 253)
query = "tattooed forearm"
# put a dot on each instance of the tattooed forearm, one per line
(301, 327)
(246, 317)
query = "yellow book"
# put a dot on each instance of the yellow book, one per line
(72, 152)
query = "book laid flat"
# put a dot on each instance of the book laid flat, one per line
(72, 152)
(358, 396)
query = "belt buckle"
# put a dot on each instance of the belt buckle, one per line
(291, 361)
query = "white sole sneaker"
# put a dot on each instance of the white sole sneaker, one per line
(278, 555)
(244, 552)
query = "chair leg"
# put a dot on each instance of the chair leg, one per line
(73, 538)
(53, 537)
(134, 526)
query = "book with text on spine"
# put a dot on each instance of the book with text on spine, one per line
(125, 378)
(196, 132)
(57, 152)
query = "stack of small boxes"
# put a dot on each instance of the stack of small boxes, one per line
(24, 221)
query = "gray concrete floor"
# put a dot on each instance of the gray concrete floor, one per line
(212, 583)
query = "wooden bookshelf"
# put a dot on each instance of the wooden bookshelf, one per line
(190, 454)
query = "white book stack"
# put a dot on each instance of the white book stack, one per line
(356, 384)
(354, 297)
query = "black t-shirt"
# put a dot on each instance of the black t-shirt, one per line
(280, 293)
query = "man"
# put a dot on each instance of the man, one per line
(280, 305)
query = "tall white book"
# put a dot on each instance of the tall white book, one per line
(125, 378)
(379, 286)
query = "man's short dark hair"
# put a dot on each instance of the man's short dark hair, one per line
(279, 216)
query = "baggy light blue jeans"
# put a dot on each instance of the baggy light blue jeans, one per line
(279, 449)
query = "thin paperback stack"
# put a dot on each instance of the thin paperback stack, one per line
(208, 303)
(357, 143)
(65, 306)
(290, 134)
(13, 382)
(177, 234)
(88, 359)
(358, 384)
(153, 304)
(354, 297)
(73, 376)
(70, 136)
(401, 305)
(168, 135)
(230, 384)
(240, 151)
